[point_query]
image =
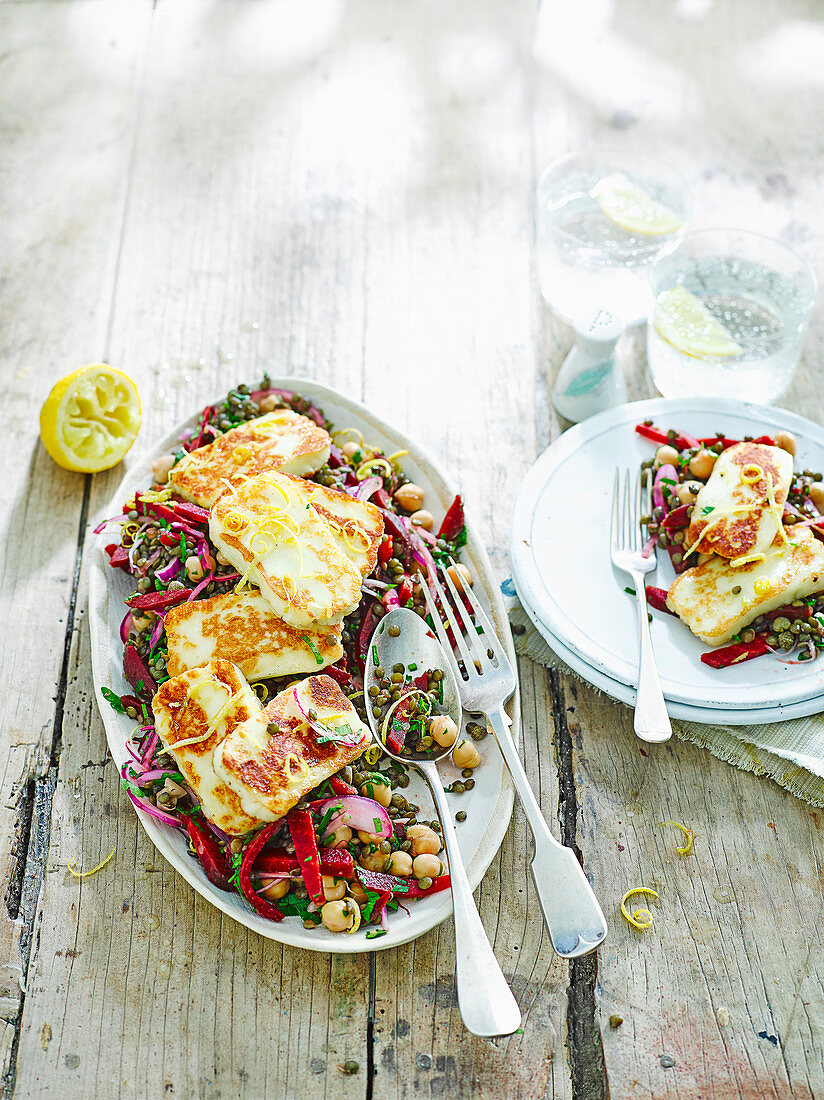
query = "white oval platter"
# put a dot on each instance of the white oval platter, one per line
(488, 806)
(559, 549)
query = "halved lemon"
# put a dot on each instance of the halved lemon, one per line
(685, 322)
(629, 206)
(91, 418)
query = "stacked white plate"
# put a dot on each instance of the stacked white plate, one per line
(565, 580)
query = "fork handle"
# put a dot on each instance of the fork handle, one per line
(651, 719)
(571, 911)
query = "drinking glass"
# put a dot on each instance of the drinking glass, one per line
(585, 259)
(756, 289)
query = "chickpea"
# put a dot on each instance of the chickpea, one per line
(380, 792)
(687, 492)
(465, 755)
(422, 518)
(333, 888)
(666, 456)
(277, 889)
(426, 866)
(357, 892)
(423, 840)
(369, 838)
(401, 864)
(460, 576)
(221, 558)
(410, 497)
(786, 441)
(701, 465)
(269, 403)
(340, 916)
(374, 861)
(338, 838)
(194, 569)
(161, 468)
(350, 449)
(817, 496)
(443, 730)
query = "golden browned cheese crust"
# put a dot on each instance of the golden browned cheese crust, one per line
(717, 601)
(281, 440)
(307, 547)
(179, 716)
(752, 526)
(284, 766)
(242, 628)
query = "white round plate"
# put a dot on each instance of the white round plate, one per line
(489, 806)
(559, 548)
(625, 693)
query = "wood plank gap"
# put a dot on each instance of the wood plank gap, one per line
(586, 1051)
(370, 1029)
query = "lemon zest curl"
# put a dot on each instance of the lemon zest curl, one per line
(686, 847)
(637, 919)
(72, 866)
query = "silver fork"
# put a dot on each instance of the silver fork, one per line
(626, 544)
(485, 681)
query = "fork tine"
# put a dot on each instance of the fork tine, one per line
(614, 517)
(628, 541)
(443, 637)
(639, 510)
(459, 642)
(481, 617)
(470, 636)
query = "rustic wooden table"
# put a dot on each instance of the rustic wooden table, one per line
(196, 191)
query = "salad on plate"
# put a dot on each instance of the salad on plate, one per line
(744, 532)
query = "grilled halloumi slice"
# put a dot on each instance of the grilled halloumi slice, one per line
(270, 771)
(717, 601)
(194, 713)
(281, 440)
(308, 548)
(738, 512)
(241, 627)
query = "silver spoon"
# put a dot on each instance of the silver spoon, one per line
(485, 1000)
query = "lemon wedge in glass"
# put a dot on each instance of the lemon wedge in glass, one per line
(685, 322)
(629, 206)
(91, 418)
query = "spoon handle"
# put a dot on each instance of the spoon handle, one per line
(485, 1000)
(571, 911)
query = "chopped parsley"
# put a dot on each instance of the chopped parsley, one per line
(373, 933)
(314, 649)
(114, 700)
(372, 900)
(705, 511)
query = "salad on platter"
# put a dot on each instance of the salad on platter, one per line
(262, 557)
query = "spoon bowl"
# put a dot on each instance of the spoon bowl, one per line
(417, 646)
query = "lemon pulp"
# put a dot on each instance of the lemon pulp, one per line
(91, 418)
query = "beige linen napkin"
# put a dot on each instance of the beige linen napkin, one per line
(790, 752)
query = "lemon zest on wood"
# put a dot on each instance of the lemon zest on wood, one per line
(686, 848)
(72, 866)
(636, 919)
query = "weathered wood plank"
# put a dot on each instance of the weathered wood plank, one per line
(63, 193)
(727, 980)
(260, 225)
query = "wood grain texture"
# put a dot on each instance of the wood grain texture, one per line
(63, 193)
